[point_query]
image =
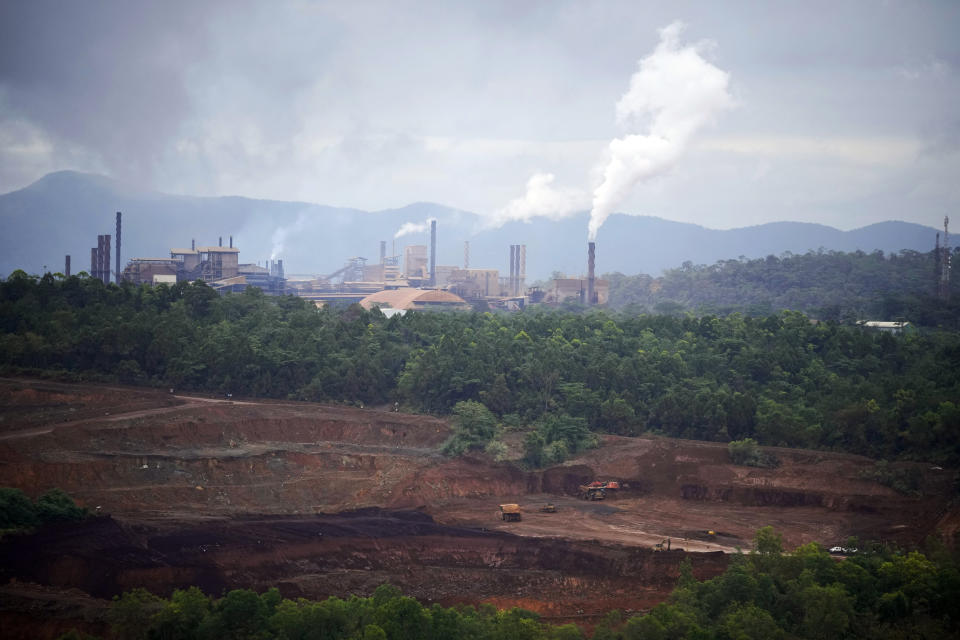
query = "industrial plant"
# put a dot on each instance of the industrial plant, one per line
(399, 281)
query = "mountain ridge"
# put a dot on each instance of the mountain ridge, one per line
(64, 211)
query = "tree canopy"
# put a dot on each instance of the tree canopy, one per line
(781, 379)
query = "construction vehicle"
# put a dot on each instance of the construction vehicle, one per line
(663, 545)
(548, 508)
(510, 512)
(598, 489)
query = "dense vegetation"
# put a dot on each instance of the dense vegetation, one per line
(781, 379)
(18, 512)
(830, 285)
(877, 594)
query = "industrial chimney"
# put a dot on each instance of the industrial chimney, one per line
(466, 254)
(220, 242)
(94, 256)
(513, 268)
(944, 289)
(231, 242)
(522, 270)
(591, 254)
(383, 251)
(433, 253)
(117, 272)
(105, 259)
(66, 266)
(97, 259)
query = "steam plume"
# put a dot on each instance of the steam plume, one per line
(413, 227)
(675, 93)
(541, 199)
(278, 240)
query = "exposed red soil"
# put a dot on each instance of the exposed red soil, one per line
(226, 493)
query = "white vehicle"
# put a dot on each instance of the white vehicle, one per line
(843, 550)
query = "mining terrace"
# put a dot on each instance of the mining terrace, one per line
(323, 500)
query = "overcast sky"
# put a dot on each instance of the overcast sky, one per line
(843, 113)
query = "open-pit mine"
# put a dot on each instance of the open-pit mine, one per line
(323, 500)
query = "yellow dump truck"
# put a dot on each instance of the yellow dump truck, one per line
(510, 512)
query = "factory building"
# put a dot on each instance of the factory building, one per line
(415, 261)
(151, 270)
(218, 266)
(474, 283)
(576, 290)
(407, 299)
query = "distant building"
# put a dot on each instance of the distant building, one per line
(415, 299)
(151, 270)
(415, 261)
(575, 289)
(215, 263)
(474, 283)
(896, 327)
(217, 266)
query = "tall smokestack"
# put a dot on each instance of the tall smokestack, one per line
(106, 259)
(279, 268)
(945, 262)
(591, 255)
(383, 251)
(66, 266)
(220, 243)
(193, 244)
(516, 269)
(466, 254)
(513, 267)
(94, 256)
(433, 253)
(231, 242)
(98, 270)
(522, 276)
(117, 272)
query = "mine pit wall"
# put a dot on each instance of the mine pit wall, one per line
(285, 478)
(336, 555)
(217, 427)
(215, 458)
(301, 458)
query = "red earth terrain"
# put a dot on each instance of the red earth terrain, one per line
(323, 500)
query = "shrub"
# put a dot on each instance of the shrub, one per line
(16, 510)
(55, 505)
(473, 427)
(747, 453)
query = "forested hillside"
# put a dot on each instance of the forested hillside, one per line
(779, 379)
(829, 285)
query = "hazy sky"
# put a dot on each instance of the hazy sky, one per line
(843, 113)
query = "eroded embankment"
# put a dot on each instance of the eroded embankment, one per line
(326, 555)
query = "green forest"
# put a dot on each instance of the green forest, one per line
(827, 285)
(561, 376)
(767, 594)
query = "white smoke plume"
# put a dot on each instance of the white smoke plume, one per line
(412, 227)
(541, 199)
(280, 234)
(673, 94)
